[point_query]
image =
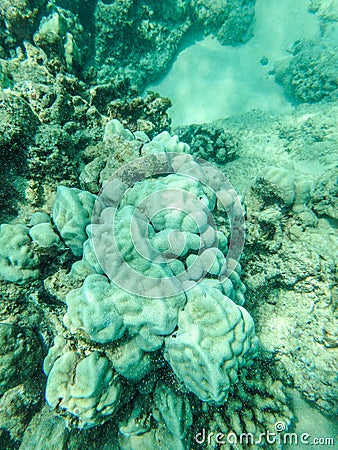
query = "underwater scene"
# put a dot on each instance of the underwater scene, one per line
(169, 215)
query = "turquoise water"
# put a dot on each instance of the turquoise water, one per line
(229, 80)
(168, 237)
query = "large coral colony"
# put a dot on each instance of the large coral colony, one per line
(164, 245)
(122, 319)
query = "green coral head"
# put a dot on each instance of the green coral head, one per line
(154, 224)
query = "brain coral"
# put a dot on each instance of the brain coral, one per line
(18, 263)
(160, 289)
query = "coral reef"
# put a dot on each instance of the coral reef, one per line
(64, 121)
(274, 192)
(62, 69)
(19, 19)
(86, 388)
(21, 384)
(98, 328)
(324, 196)
(63, 39)
(17, 406)
(18, 263)
(231, 22)
(72, 226)
(289, 265)
(25, 250)
(140, 41)
(15, 114)
(140, 113)
(127, 341)
(118, 369)
(254, 406)
(310, 75)
(20, 355)
(209, 142)
(327, 13)
(134, 329)
(200, 345)
(136, 41)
